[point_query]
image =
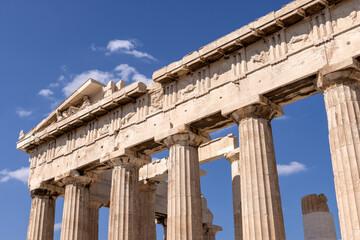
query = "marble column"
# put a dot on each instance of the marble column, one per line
(124, 209)
(42, 215)
(184, 220)
(261, 209)
(341, 91)
(147, 210)
(94, 208)
(76, 208)
(318, 222)
(233, 158)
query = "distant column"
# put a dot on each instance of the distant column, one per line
(262, 216)
(341, 91)
(210, 231)
(233, 158)
(42, 215)
(163, 223)
(147, 211)
(184, 220)
(94, 208)
(318, 222)
(76, 207)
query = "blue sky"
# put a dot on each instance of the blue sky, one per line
(47, 48)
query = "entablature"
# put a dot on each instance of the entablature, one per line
(259, 29)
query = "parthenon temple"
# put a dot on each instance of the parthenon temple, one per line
(94, 150)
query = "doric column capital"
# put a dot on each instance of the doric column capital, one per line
(126, 157)
(182, 135)
(46, 190)
(78, 178)
(127, 160)
(186, 138)
(256, 106)
(343, 72)
(341, 76)
(44, 193)
(232, 155)
(264, 110)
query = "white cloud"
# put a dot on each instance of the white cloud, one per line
(124, 47)
(46, 92)
(122, 71)
(79, 79)
(64, 68)
(118, 45)
(141, 78)
(21, 174)
(57, 226)
(139, 54)
(23, 113)
(283, 117)
(125, 71)
(54, 85)
(293, 167)
(61, 78)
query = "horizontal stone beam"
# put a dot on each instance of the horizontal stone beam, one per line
(217, 148)
(208, 152)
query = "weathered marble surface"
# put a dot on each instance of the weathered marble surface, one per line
(318, 222)
(307, 47)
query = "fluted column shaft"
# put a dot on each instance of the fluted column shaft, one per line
(147, 211)
(233, 158)
(76, 209)
(262, 217)
(341, 91)
(124, 209)
(184, 219)
(94, 220)
(42, 215)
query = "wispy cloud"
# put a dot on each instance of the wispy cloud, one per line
(119, 45)
(23, 113)
(46, 92)
(61, 78)
(54, 85)
(21, 174)
(79, 79)
(291, 168)
(123, 47)
(125, 72)
(282, 118)
(57, 226)
(122, 71)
